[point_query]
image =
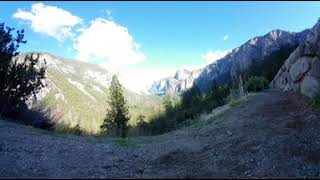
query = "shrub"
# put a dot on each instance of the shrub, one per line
(256, 83)
(167, 103)
(216, 97)
(142, 124)
(190, 97)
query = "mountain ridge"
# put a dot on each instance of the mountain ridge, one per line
(237, 60)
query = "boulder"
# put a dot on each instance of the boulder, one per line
(301, 71)
(309, 86)
(315, 70)
(299, 68)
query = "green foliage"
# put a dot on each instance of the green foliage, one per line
(316, 99)
(78, 130)
(190, 97)
(142, 124)
(76, 107)
(122, 142)
(117, 115)
(216, 97)
(167, 103)
(190, 106)
(18, 79)
(269, 66)
(256, 83)
(192, 103)
(141, 118)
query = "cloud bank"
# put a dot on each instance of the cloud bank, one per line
(49, 20)
(108, 42)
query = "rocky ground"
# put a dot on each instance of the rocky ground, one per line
(274, 135)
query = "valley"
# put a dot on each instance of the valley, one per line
(176, 95)
(78, 91)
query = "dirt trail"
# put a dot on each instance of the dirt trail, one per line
(273, 135)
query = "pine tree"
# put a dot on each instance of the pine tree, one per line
(19, 79)
(117, 113)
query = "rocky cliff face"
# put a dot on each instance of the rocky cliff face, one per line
(243, 57)
(301, 71)
(182, 80)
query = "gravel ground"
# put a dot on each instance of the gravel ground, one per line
(274, 135)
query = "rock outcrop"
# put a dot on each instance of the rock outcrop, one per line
(301, 71)
(242, 58)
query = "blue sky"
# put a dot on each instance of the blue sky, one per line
(160, 36)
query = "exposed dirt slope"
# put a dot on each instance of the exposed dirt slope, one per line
(273, 135)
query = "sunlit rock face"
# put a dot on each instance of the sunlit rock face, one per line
(301, 71)
(242, 58)
(58, 69)
(181, 81)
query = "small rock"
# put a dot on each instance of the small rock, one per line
(229, 133)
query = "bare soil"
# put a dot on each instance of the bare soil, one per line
(274, 135)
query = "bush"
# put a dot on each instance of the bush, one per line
(190, 98)
(256, 83)
(142, 124)
(216, 97)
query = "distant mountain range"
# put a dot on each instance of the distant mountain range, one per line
(182, 80)
(238, 60)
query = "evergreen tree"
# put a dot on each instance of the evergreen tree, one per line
(117, 113)
(19, 79)
(167, 103)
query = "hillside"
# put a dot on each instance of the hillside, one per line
(78, 92)
(283, 144)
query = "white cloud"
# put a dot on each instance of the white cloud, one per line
(108, 42)
(225, 37)
(212, 56)
(49, 20)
